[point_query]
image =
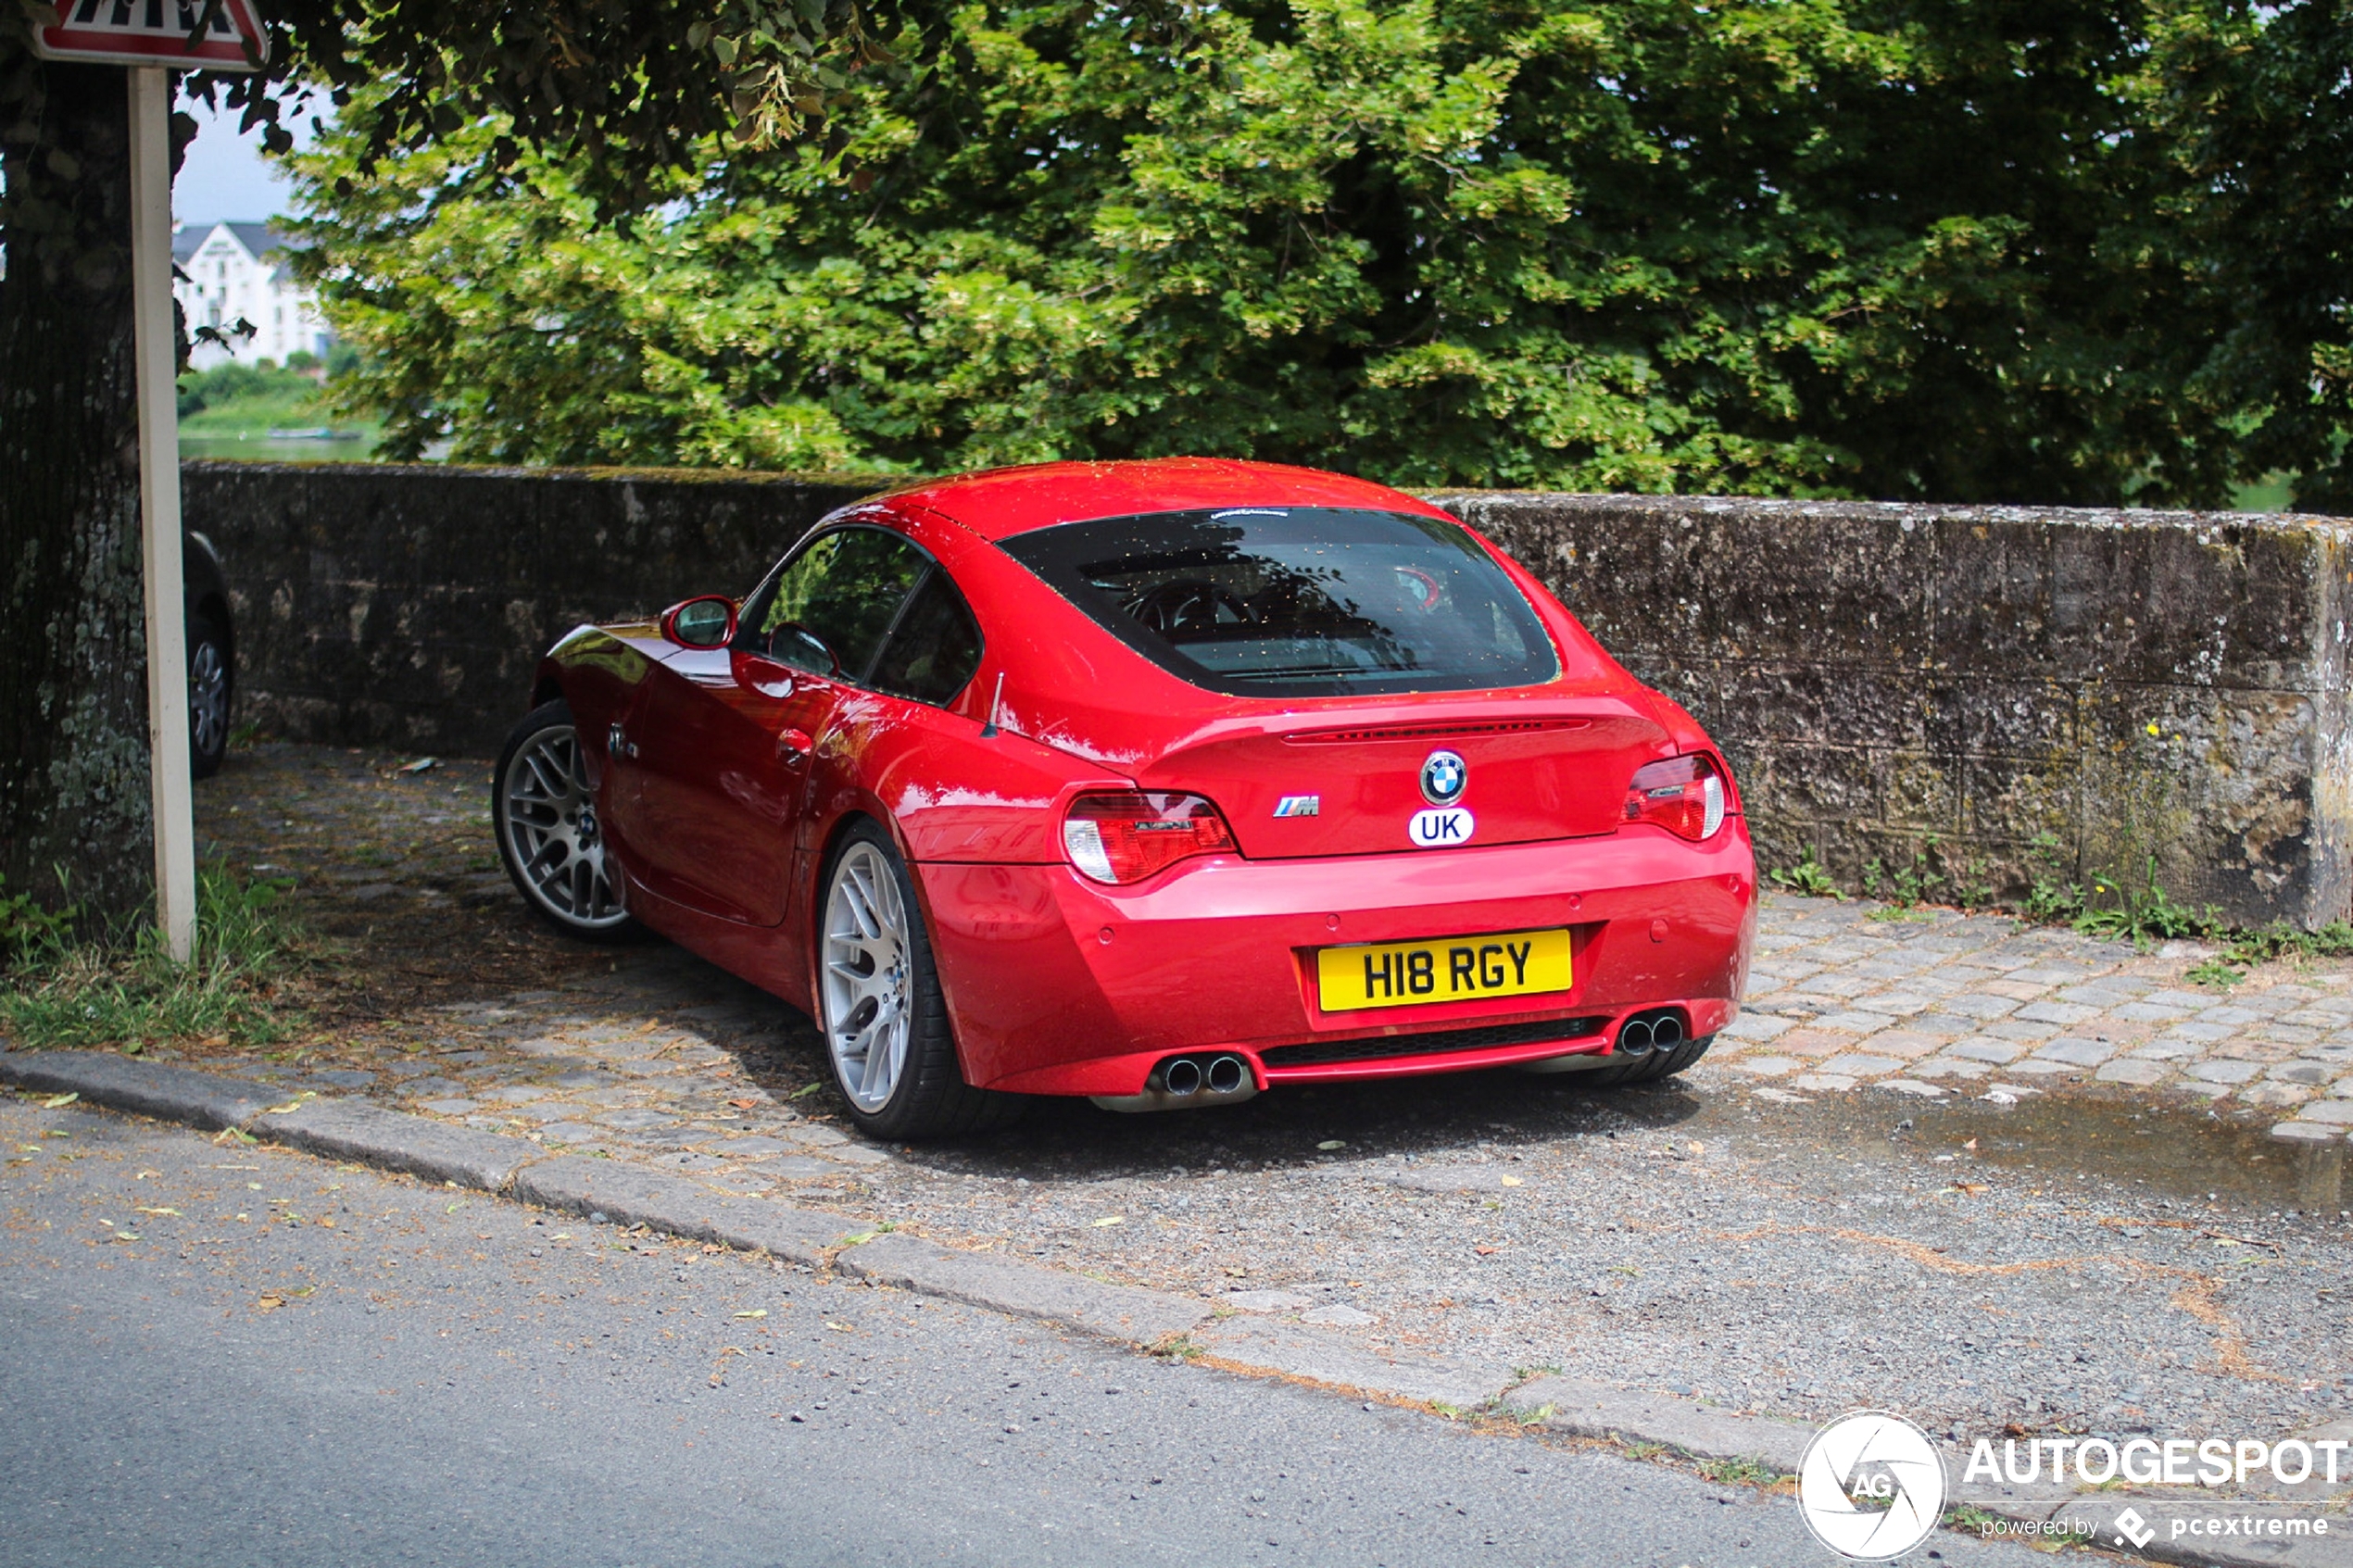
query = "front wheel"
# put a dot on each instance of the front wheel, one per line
(884, 1019)
(545, 818)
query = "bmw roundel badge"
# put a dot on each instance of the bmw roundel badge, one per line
(1444, 775)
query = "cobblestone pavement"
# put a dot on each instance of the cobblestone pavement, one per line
(1930, 1002)
(1991, 1175)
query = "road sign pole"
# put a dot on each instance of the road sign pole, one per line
(159, 509)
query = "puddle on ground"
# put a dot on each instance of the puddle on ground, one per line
(2177, 1151)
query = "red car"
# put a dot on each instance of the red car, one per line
(1163, 783)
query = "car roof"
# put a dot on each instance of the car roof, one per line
(1000, 503)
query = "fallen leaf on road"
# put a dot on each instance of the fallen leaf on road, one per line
(1970, 1145)
(1511, 1181)
(1110, 1220)
(144, 1210)
(291, 1105)
(841, 1328)
(423, 764)
(268, 1304)
(755, 1313)
(807, 1089)
(134, 1235)
(55, 1100)
(743, 1104)
(1333, 1143)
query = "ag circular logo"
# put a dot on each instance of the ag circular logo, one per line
(1444, 778)
(1871, 1486)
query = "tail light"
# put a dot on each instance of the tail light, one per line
(1683, 795)
(1127, 835)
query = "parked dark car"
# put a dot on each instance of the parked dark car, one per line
(212, 664)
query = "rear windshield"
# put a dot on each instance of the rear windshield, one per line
(1299, 601)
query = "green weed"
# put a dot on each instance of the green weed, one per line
(1738, 1473)
(28, 930)
(1909, 884)
(1807, 878)
(118, 990)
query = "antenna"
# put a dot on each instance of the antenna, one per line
(988, 731)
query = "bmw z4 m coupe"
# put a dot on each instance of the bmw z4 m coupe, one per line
(1166, 784)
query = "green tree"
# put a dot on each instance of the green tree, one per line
(622, 86)
(2262, 99)
(1929, 250)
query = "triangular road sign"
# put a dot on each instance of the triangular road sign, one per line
(157, 33)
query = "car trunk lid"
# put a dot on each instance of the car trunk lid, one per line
(1305, 783)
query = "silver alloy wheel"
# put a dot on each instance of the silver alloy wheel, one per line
(208, 697)
(549, 821)
(868, 983)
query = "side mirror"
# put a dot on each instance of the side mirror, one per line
(705, 622)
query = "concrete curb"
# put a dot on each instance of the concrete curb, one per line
(1112, 1311)
(1297, 1350)
(346, 1129)
(151, 1088)
(1591, 1410)
(631, 1195)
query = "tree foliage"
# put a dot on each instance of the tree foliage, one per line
(621, 88)
(1962, 251)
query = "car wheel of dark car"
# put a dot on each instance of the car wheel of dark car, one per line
(210, 680)
(880, 1006)
(545, 815)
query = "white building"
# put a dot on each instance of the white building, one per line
(237, 272)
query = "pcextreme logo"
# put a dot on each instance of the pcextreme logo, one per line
(1871, 1486)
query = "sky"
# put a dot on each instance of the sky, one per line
(223, 177)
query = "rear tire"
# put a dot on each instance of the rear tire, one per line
(544, 816)
(888, 1039)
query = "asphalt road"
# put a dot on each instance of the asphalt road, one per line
(234, 1354)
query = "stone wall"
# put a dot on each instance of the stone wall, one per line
(407, 607)
(1993, 696)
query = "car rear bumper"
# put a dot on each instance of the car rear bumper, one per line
(1059, 986)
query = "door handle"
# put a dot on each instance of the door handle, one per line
(793, 748)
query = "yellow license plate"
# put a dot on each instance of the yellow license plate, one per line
(1451, 969)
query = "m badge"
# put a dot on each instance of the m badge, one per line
(1299, 806)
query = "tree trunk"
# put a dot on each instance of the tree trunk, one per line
(73, 697)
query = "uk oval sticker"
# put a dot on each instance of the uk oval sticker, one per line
(1437, 829)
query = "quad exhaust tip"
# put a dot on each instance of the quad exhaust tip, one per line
(1187, 1083)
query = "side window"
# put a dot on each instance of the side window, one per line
(936, 648)
(835, 600)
